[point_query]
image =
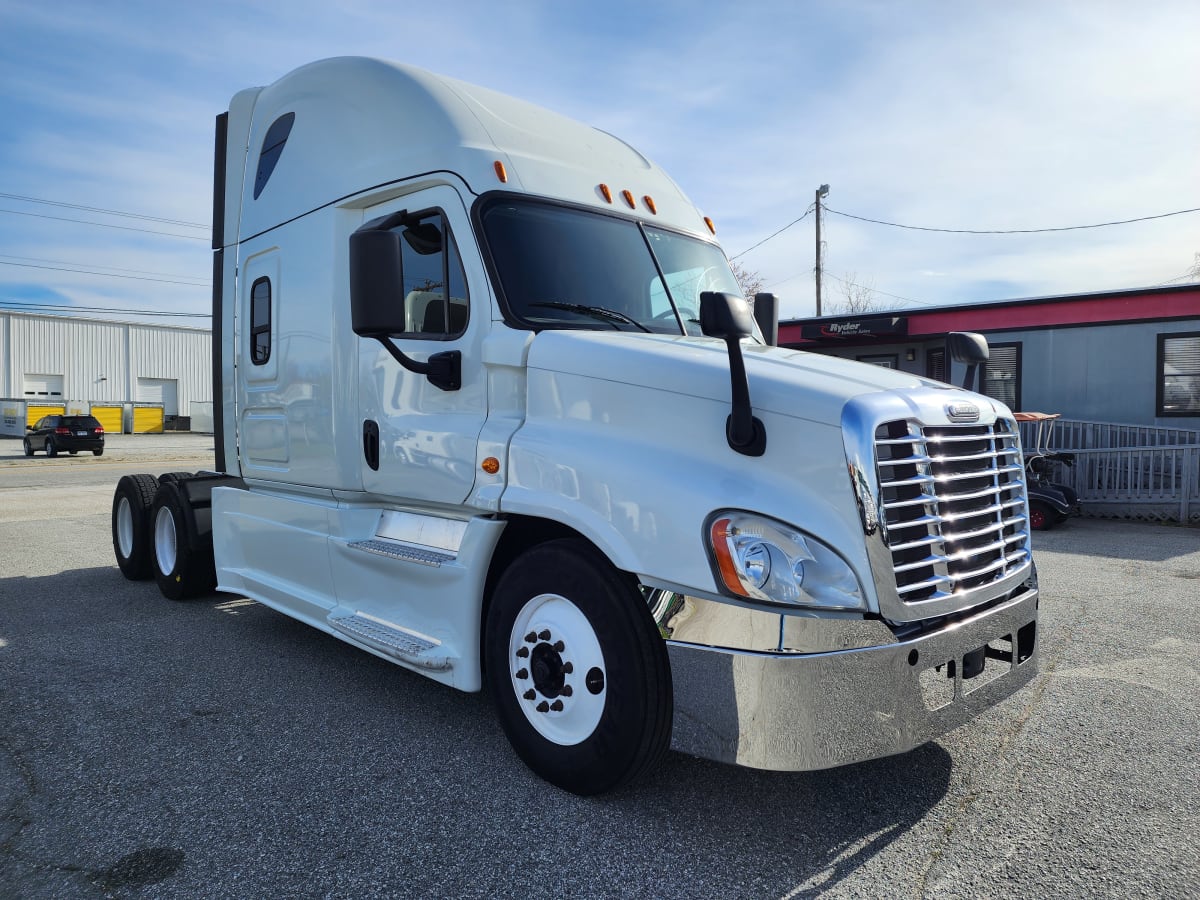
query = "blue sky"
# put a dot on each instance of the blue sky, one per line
(1006, 115)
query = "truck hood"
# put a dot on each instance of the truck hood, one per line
(785, 382)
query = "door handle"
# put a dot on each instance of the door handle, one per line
(371, 443)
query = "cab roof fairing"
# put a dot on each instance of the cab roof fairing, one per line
(362, 123)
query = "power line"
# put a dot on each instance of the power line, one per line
(22, 306)
(192, 237)
(1178, 212)
(108, 212)
(66, 262)
(807, 212)
(105, 274)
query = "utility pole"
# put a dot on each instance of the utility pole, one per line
(822, 191)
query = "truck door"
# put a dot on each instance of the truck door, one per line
(419, 441)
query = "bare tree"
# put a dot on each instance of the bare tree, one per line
(750, 282)
(858, 296)
(1194, 272)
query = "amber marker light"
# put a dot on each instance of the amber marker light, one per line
(649, 201)
(719, 537)
(628, 195)
(606, 193)
(711, 227)
(491, 465)
(501, 172)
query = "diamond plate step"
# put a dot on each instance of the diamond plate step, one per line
(396, 550)
(403, 645)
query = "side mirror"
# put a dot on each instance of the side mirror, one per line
(377, 294)
(377, 278)
(766, 313)
(728, 317)
(970, 348)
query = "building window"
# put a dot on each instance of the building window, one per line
(935, 364)
(1179, 374)
(1002, 374)
(886, 360)
(260, 321)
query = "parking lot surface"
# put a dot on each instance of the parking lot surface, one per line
(215, 748)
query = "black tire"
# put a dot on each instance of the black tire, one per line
(28, 447)
(603, 705)
(1041, 516)
(51, 450)
(131, 525)
(99, 451)
(183, 565)
(173, 476)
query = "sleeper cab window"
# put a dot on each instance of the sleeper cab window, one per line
(260, 321)
(272, 148)
(435, 285)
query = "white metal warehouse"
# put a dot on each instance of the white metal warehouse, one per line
(132, 376)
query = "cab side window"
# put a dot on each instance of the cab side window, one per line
(435, 286)
(260, 321)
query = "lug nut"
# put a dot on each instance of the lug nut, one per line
(557, 706)
(522, 674)
(560, 646)
(568, 668)
(523, 652)
(543, 707)
(545, 635)
(531, 638)
(566, 691)
(529, 695)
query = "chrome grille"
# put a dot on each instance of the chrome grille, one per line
(953, 505)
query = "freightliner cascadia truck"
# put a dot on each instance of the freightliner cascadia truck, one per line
(489, 405)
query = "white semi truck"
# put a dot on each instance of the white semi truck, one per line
(489, 406)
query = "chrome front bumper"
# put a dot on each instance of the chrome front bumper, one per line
(793, 712)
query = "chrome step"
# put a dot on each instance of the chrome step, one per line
(397, 642)
(396, 550)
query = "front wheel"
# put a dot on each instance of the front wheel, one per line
(577, 669)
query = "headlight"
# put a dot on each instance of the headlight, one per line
(762, 559)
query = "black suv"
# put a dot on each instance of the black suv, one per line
(70, 433)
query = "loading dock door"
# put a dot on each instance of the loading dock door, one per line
(34, 411)
(159, 390)
(109, 418)
(147, 419)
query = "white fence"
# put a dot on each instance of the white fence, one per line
(1128, 471)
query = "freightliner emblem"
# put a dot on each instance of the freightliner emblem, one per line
(962, 412)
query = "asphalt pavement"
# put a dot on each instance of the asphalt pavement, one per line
(215, 748)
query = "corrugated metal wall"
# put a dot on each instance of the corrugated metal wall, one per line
(101, 361)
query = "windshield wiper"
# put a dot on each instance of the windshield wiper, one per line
(599, 312)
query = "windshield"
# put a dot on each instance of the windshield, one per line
(562, 267)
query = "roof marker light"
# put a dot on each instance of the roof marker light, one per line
(629, 199)
(649, 201)
(711, 227)
(606, 193)
(501, 172)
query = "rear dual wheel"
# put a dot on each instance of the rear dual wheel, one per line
(183, 565)
(131, 525)
(577, 669)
